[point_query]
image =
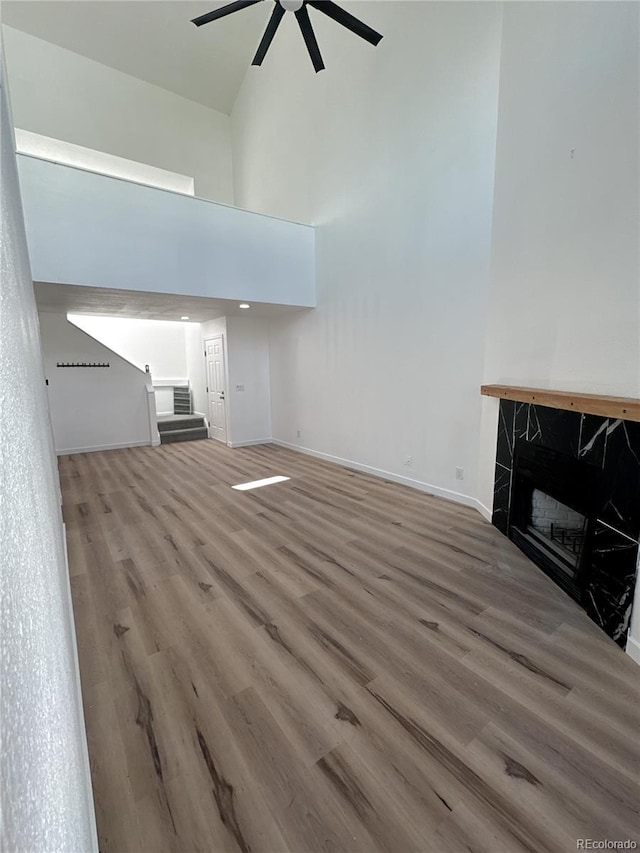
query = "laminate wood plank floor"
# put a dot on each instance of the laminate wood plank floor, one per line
(332, 663)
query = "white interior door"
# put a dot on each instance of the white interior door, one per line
(216, 388)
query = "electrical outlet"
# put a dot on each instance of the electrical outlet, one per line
(459, 473)
(408, 461)
(239, 387)
(297, 433)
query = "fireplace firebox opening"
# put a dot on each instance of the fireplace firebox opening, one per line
(553, 506)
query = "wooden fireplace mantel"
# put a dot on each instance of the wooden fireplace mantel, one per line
(625, 408)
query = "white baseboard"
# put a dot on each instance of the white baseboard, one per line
(448, 494)
(69, 451)
(250, 443)
(633, 649)
(484, 511)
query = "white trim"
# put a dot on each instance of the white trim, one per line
(457, 497)
(633, 649)
(69, 451)
(76, 666)
(154, 435)
(170, 383)
(484, 511)
(250, 443)
(20, 155)
(93, 160)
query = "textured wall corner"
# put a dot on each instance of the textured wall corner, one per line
(46, 794)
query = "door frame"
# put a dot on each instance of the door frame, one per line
(221, 337)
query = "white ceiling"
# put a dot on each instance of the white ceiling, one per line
(153, 40)
(74, 299)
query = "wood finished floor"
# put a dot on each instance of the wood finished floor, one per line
(335, 663)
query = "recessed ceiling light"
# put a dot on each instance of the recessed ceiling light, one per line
(184, 318)
(244, 305)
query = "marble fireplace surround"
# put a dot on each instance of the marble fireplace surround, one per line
(604, 432)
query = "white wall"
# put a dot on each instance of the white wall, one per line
(565, 279)
(91, 408)
(46, 789)
(196, 369)
(176, 351)
(249, 383)
(246, 352)
(93, 230)
(61, 94)
(159, 343)
(390, 151)
(213, 327)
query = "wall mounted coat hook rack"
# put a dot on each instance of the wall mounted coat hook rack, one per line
(83, 364)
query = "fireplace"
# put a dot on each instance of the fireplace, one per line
(559, 531)
(567, 492)
(554, 502)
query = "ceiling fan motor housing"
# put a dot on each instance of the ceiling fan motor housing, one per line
(291, 5)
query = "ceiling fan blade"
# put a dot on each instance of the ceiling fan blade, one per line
(225, 10)
(269, 33)
(309, 37)
(346, 19)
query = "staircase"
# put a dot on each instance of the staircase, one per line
(181, 400)
(180, 427)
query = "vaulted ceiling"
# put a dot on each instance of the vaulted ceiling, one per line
(153, 40)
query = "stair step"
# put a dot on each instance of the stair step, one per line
(170, 436)
(182, 404)
(180, 423)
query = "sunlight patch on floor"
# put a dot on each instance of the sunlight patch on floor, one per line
(257, 484)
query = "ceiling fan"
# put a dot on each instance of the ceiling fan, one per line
(299, 7)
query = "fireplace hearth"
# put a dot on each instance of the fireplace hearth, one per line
(567, 492)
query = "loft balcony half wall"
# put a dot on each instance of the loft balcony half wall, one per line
(92, 230)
